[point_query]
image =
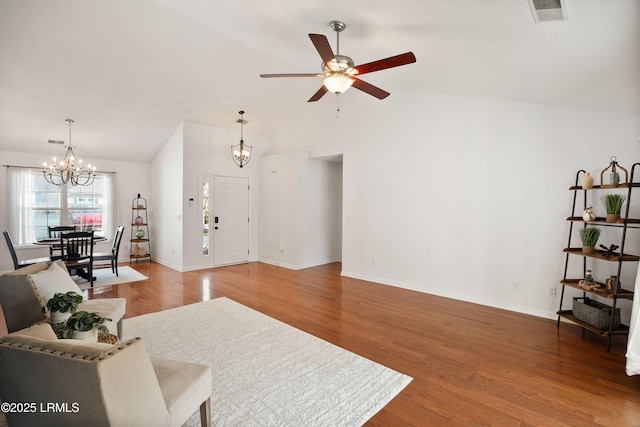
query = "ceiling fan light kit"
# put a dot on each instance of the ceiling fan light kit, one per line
(337, 83)
(339, 71)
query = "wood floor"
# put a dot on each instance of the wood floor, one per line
(472, 365)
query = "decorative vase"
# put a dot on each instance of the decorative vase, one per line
(91, 335)
(588, 215)
(588, 249)
(59, 317)
(587, 181)
(139, 220)
(613, 217)
(140, 234)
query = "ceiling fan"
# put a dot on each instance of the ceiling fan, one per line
(339, 72)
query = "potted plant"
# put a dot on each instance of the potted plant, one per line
(63, 305)
(589, 236)
(85, 325)
(613, 204)
(61, 330)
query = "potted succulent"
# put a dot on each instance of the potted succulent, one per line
(589, 236)
(85, 326)
(613, 204)
(63, 305)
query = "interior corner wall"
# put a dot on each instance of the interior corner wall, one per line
(463, 197)
(165, 206)
(300, 208)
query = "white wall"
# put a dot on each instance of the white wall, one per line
(165, 204)
(462, 197)
(300, 210)
(131, 178)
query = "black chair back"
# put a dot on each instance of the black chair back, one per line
(77, 253)
(115, 250)
(77, 246)
(116, 241)
(54, 232)
(14, 256)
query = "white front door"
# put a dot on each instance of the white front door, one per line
(229, 222)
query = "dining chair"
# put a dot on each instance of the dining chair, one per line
(20, 263)
(115, 249)
(54, 233)
(77, 253)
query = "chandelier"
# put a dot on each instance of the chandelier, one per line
(70, 169)
(241, 153)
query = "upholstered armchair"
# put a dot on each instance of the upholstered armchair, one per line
(97, 384)
(24, 294)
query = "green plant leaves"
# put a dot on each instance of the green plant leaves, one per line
(589, 236)
(613, 202)
(85, 321)
(64, 303)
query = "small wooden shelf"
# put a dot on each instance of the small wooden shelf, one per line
(140, 243)
(599, 254)
(568, 314)
(605, 187)
(623, 293)
(603, 221)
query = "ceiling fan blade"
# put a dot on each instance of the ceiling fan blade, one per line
(319, 94)
(266, 76)
(383, 64)
(370, 89)
(322, 46)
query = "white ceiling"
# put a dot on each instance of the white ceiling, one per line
(130, 71)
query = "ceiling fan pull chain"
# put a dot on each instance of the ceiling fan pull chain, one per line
(337, 106)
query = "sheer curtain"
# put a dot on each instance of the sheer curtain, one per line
(109, 215)
(19, 207)
(21, 199)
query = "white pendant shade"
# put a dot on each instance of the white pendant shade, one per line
(337, 83)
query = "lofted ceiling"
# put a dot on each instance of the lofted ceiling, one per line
(129, 72)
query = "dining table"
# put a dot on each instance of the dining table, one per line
(52, 241)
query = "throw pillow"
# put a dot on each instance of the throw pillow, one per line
(53, 280)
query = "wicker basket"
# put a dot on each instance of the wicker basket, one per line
(595, 313)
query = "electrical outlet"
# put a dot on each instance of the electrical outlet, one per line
(552, 291)
(515, 286)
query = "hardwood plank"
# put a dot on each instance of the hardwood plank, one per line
(471, 364)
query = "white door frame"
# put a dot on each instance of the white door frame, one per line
(215, 258)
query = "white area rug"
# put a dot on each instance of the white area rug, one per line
(265, 372)
(104, 277)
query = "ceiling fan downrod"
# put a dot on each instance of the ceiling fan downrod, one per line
(338, 27)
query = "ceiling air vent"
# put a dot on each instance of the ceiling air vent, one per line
(548, 10)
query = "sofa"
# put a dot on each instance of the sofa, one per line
(58, 382)
(24, 294)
